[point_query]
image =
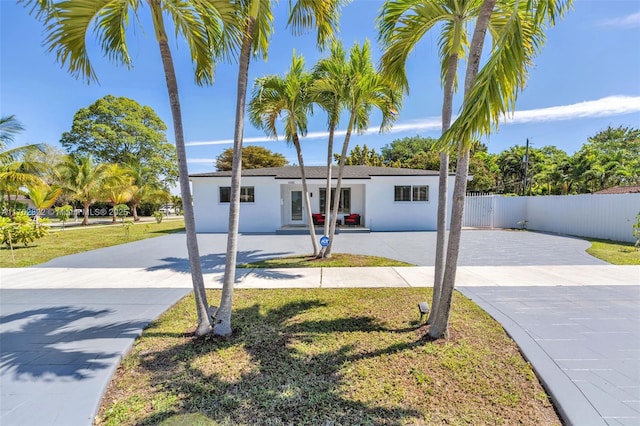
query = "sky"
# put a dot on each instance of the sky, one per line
(586, 78)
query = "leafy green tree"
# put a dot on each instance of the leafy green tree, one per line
(210, 31)
(253, 157)
(118, 130)
(256, 25)
(288, 97)
(362, 156)
(413, 152)
(609, 158)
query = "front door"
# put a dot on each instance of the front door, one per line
(296, 207)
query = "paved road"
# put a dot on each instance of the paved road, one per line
(65, 325)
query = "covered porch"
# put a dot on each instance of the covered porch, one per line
(351, 209)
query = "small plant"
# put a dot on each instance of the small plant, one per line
(126, 225)
(522, 224)
(63, 214)
(121, 211)
(636, 231)
(159, 216)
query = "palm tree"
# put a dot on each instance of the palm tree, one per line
(402, 25)
(489, 94)
(16, 171)
(209, 30)
(363, 89)
(274, 96)
(84, 180)
(117, 189)
(328, 92)
(256, 27)
(145, 188)
(43, 196)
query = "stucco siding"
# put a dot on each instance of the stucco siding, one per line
(385, 214)
(263, 215)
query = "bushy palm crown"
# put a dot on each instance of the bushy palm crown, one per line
(274, 96)
(207, 26)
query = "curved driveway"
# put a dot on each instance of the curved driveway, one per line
(65, 325)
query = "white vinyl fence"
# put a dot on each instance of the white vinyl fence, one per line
(605, 216)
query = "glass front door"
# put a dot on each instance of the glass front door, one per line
(296, 206)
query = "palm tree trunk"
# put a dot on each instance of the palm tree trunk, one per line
(204, 321)
(134, 209)
(85, 213)
(305, 191)
(440, 327)
(222, 324)
(336, 197)
(443, 189)
(327, 194)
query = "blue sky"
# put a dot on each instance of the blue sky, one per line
(586, 79)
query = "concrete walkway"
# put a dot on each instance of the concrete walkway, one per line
(63, 329)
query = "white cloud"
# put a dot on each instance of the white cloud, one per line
(605, 107)
(629, 21)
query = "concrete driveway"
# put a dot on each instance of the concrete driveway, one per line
(65, 325)
(478, 248)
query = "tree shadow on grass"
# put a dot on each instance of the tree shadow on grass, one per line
(273, 381)
(51, 342)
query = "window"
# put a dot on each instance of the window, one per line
(344, 206)
(402, 193)
(246, 194)
(421, 193)
(411, 193)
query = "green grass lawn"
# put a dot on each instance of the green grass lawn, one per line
(616, 253)
(78, 239)
(326, 357)
(336, 260)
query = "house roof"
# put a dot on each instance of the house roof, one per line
(620, 190)
(320, 172)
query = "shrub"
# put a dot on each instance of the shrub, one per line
(63, 213)
(21, 229)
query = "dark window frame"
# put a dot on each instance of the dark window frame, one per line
(247, 194)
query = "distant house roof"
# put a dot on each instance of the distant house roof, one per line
(320, 172)
(620, 190)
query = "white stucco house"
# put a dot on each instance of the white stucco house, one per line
(385, 198)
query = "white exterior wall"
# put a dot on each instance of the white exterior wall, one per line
(213, 216)
(385, 214)
(605, 216)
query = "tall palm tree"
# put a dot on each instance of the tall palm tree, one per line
(402, 24)
(209, 30)
(257, 27)
(489, 94)
(363, 89)
(84, 180)
(328, 92)
(273, 97)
